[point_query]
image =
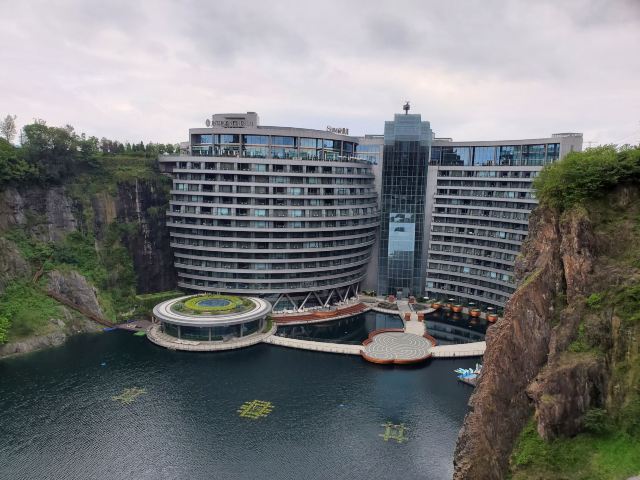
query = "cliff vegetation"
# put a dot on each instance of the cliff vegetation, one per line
(559, 396)
(83, 218)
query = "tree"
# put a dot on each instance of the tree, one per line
(8, 127)
(54, 151)
(13, 168)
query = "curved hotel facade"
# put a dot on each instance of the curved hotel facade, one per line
(287, 214)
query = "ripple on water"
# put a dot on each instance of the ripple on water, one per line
(58, 419)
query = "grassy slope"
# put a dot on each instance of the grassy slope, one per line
(588, 456)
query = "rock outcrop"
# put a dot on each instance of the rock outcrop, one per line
(564, 392)
(49, 214)
(517, 348)
(12, 264)
(31, 344)
(528, 367)
(74, 287)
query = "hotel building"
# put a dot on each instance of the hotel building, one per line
(479, 197)
(286, 214)
(291, 214)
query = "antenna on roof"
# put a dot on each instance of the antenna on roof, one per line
(406, 107)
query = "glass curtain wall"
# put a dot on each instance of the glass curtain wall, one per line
(401, 246)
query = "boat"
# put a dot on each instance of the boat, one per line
(464, 372)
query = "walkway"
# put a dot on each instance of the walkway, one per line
(80, 308)
(315, 346)
(159, 338)
(474, 349)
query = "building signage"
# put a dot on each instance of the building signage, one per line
(233, 120)
(340, 131)
(230, 123)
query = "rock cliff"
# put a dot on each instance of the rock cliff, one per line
(553, 355)
(49, 214)
(96, 240)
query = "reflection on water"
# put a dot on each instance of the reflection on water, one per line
(444, 326)
(449, 328)
(353, 330)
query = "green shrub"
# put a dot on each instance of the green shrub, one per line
(627, 303)
(27, 308)
(585, 175)
(595, 300)
(235, 304)
(596, 420)
(606, 456)
(4, 329)
(149, 300)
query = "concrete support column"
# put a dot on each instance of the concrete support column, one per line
(179, 332)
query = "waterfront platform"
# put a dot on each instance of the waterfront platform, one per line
(155, 334)
(320, 315)
(395, 346)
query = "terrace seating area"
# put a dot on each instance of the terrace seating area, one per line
(321, 315)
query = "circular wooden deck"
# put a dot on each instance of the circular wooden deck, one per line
(394, 346)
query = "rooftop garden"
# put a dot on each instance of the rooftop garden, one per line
(211, 304)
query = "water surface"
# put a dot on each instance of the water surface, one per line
(58, 421)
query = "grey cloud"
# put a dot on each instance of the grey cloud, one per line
(477, 69)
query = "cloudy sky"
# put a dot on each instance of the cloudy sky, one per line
(489, 69)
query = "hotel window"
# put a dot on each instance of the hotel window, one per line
(223, 211)
(255, 139)
(284, 141)
(309, 154)
(226, 138)
(332, 144)
(283, 153)
(553, 152)
(484, 156)
(509, 155)
(254, 152)
(533, 154)
(309, 142)
(260, 213)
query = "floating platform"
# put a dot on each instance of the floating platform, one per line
(394, 346)
(473, 380)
